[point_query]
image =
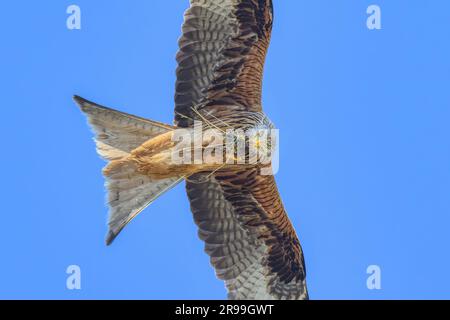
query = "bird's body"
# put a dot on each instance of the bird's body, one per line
(240, 215)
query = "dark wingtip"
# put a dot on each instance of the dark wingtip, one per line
(82, 101)
(110, 238)
(79, 100)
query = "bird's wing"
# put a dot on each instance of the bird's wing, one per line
(221, 56)
(248, 235)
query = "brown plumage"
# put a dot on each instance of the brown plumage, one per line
(252, 244)
(221, 57)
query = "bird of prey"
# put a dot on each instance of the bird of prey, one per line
(251, 242)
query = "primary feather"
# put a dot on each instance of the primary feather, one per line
(247, 233)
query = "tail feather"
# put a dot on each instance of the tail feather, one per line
(116, 135)
(130, 193)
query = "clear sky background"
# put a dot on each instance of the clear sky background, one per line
(365, 149)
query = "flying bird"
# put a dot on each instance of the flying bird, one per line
(251, 242)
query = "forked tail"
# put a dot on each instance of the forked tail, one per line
(116, 135)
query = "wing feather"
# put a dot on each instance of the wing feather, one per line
(248, 236)
(221, 56)
(251, 242)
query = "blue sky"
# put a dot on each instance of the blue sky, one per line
(365, 148)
